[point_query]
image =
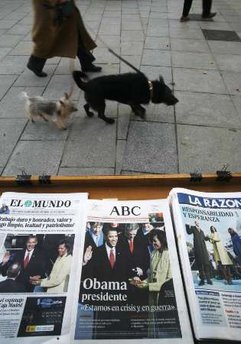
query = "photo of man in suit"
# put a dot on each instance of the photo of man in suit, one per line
(137, 250)
(139, 261)
(110, 261)
(94, 236)
(10, 285)
(31, 259)
(200, 252)
(57, 281)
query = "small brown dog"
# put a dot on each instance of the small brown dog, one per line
(59, 112)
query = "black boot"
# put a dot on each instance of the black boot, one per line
(86, 59)
(207, 5)
(36, 65)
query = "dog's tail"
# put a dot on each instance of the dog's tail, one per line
(23, 95)
(78, 76)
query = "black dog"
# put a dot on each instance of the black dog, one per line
(130, 88)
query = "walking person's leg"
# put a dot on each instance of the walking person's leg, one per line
(186, 9)
(207, 5)
(86, 61)
(36, 65)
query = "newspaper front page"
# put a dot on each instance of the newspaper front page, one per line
(40, 245)
(208, 229)
(131, 285)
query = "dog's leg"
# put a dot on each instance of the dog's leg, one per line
(60, 124)
(98, 104)
(29, 115)
(100, 107)
(87, 110)
(43, 117)
(138, 110)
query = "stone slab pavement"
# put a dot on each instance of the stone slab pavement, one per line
(200, 60)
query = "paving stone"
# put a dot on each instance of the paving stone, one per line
(65, 171)
(58, 85)
(189, 45)
(44, 131)
(110, 20)
(102, 55)
(237, 102)
(162, 43)
(133, 25)
(154, 72)
(10, 130)
(159, 31)
(91, 144)
(6, 82)
(131, 48)
(236, 26)
(113, 29)
(217, 26)
(229, 62)
(134, 60)
(4, 52)
(156, 58)
(66, 66)
(37, 158)
(178, 51)
(233, 82)
(198, 81)
(207, 109)
(13, 65)
(111, 14)
(151, 148)
(185, 32)
(19, 29)
(206, 149)
(193, 60)
(15, 109)
(109, 40)
(176, 24)
(159, 113)
(124, 114)
(7, 40)
(120, 153)
(22, 48)
(198, 17)
(221, 35)
(28, 79)
(155, 14)
(132, 36)
(7, 24)
(219, 47)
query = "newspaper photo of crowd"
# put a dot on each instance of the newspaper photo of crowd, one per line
(36, 263)
(134, 258)
(215, 255)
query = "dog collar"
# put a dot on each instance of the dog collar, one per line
(150, 89)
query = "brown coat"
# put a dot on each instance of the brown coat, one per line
(54, 40)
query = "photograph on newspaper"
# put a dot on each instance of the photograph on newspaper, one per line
(130, 274)
(40, 243)
(210, 228)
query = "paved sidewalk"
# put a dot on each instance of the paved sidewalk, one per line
(202, 133)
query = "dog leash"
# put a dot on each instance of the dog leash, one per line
(124, 60)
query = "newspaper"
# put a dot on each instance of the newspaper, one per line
(131, 286)
(208, 229)
(40, 247)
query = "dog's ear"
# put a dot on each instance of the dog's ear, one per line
(62, 103)
(161, 79)
(66, 95)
